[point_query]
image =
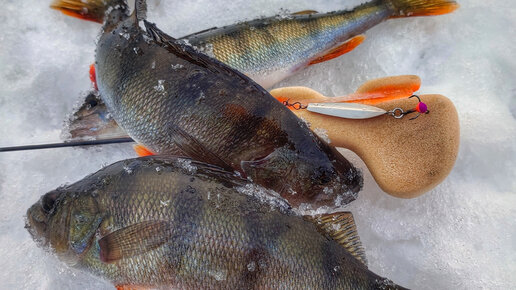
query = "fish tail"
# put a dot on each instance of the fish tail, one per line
(91, 10)
(410, 8)
(91, 121)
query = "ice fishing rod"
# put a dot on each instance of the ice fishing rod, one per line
(67, 144)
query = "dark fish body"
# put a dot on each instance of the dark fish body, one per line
(176, 223)
(175, 100)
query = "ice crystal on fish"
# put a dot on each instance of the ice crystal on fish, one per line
(251, 267)
(323, 134)
(137, 50)
(128, 169)
(125, 35)
(176, 66)
(187, 165)
(164, 203)
(206, 49)
(265, 195)
(219, 275)
(328, 190)
(160, 87)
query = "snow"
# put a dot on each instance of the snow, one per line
(461, 235)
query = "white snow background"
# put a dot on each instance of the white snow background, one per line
(460, 235)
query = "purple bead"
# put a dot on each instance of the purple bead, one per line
(422, 108)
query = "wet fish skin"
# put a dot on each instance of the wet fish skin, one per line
(174, 100)
(211, 234)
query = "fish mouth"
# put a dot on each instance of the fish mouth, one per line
(38, 216)
(36, 224)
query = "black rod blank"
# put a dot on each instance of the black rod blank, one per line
(66, 144)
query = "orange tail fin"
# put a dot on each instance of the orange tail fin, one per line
(142, 151)
(91, 10)
(340, 50)
(409, 8)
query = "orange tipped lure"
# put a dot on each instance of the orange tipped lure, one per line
(357, 105)
(271, 49)
(370, 93)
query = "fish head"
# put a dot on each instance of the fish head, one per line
(323, 183)
(306, 178)
(65, 222)
(334, 184)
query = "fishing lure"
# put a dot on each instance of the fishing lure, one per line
(358, 111)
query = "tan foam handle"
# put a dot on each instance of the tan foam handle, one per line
(406, 157)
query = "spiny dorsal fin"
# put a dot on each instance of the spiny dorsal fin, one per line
(140, 10)
(133, 240)
(305, 12)
(341, 227)
(189, 54)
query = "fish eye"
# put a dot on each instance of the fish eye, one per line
(48, 201)
(92, 100)
(93, 103)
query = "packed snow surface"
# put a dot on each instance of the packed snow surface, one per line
(460, 235)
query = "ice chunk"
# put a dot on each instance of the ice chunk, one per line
(266, 196)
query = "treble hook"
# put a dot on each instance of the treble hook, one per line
(421, 108)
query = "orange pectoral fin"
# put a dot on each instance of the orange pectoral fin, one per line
(340, 50)
(93, 76)
(386, 89)
(142, 151)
